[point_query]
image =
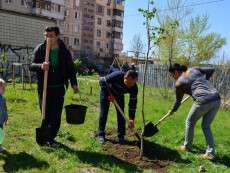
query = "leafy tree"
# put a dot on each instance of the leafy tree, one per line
(186, 42)
(198, 45)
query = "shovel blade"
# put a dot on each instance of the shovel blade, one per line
(150, 130)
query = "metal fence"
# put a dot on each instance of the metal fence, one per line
(158, 76)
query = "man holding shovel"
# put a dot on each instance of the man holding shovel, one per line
(114, 86)
(60, 69)
(194, 82)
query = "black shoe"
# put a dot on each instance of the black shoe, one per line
(53, 144)
(121, 140)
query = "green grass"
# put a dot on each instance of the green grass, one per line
(82, 153)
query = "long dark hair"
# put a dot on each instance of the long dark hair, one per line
(177, 67)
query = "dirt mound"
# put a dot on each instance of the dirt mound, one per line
(155, 156)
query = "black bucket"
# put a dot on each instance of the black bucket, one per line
(75, 114)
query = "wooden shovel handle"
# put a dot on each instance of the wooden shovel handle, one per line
(48, 47)
(166, 115)
(119, 109)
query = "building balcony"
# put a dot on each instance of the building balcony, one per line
(118, 45)
(48, 14)
(60, 2)
(117, 29)
(116, 17)
(120, 7)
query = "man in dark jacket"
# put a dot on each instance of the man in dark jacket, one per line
(60, 69)
(116, 85)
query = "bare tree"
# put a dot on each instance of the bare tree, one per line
(137, 45)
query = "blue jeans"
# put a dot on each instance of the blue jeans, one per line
(104, 109)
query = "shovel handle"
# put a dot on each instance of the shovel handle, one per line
(119, 109)
(126, 119)
(168, 114)
(48, 46)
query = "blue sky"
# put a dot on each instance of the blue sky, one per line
(218, 12)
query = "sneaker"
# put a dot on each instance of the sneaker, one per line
(53, 144)
(2, 149)
(101, 139)
(183, 148)
(121, 140)
(207, 156)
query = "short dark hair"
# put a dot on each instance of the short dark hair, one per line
(177, 67)
(132, 73)
(54, 29)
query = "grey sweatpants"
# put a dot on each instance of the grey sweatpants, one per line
(208, 112)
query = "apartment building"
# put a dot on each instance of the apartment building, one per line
(92, 28)
(101, 27)
(52, 9)
(117, 27)
(71, 26)
(22, 6)
(108, 28)
(20, 30)
(87, 26)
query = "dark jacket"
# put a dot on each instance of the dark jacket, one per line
(115, 82)
(3, 111)
(67, 70)
(195, 82)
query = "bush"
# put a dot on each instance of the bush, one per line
(84, 66)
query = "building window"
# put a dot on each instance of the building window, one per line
(120, 2)
(66, 40)
(109, 2)
(108, 23)
(75, 15)
(59, 8)
(99, 33)
(66, 27)
(77, 28)
(117, 12)
(117, 23)
(108, 12)
(117, 35)
(52, 7)
(48, 6)
(107, 45)
(108, 34)
(66, 13)
(76, 41)
(99, 9)
(8, 1)
(22, 2)
(98, 44)
(99, 21)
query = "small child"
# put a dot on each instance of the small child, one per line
(3, 108)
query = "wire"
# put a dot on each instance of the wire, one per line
(185, 6)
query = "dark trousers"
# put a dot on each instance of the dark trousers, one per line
(104, 109)
(54, 106)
